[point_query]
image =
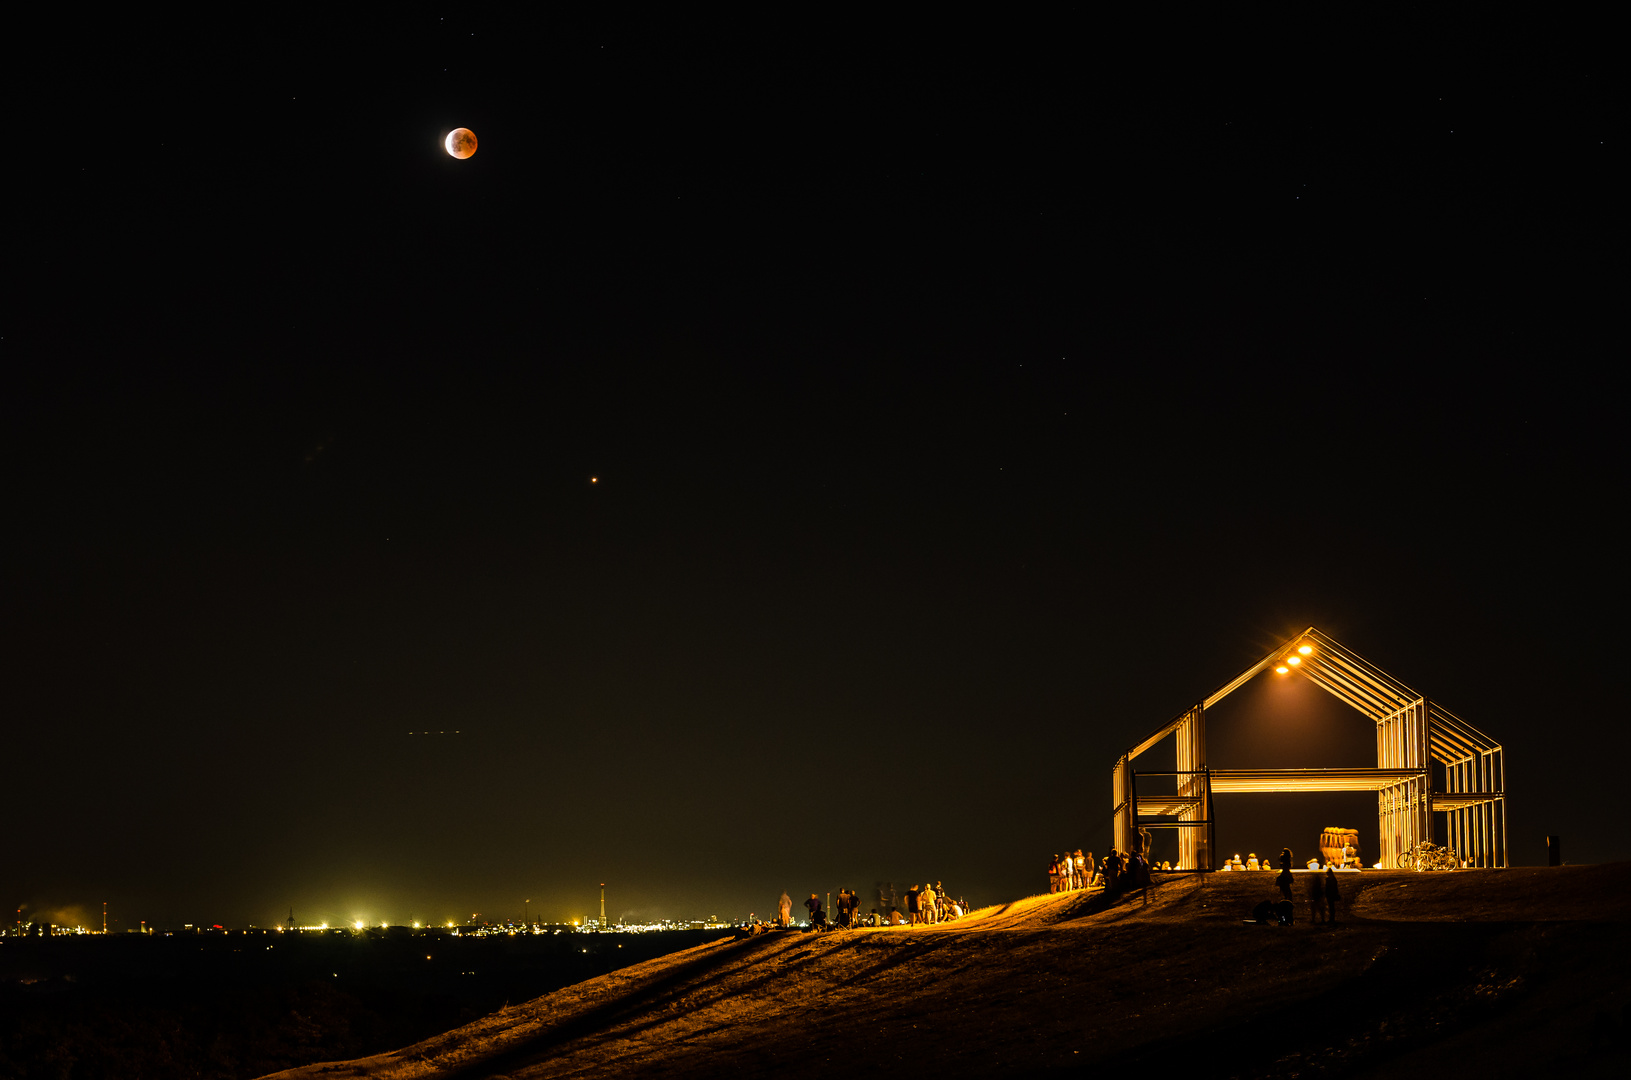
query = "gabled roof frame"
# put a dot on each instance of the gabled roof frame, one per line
(1412, 733)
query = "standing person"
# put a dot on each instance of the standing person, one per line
(925, 902)
(1078, 870)
(1140, 869)
(817, 916)
(1053, 875)
(1112, 871)
(1283, 879)
(912, 913)
(785, 906)
(942, 902)
(1316, 899)
(1332, 896)
(1092, 873)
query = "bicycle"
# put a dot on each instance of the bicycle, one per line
(1428, 856)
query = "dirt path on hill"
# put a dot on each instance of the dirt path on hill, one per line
(1423, 971)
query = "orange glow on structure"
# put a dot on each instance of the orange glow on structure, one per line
(1282, 669)
(1294, 660)
(1306, 649)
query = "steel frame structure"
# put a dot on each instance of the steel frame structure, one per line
(1417, 740)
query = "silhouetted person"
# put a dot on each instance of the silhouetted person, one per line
(1112, 871)
(1139, 868)
(1283, 879)
(887, 900)
(817, 916)
(1332, 896)
(1316, 899)
(912, 913)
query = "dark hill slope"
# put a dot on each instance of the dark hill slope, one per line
(1514, 972)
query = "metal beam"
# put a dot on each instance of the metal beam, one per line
(1237, 781)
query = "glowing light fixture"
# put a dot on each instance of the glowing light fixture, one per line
(1282, 669)
(359, 924)
(1305, 649)
(1294, 660)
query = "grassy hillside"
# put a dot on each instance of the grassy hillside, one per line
(1503, 972)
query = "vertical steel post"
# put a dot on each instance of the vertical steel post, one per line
(1118, 793)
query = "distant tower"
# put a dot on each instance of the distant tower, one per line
(104, 917)
(603, 905)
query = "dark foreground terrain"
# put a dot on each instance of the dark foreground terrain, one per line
(240, 1004)
(1484, 972)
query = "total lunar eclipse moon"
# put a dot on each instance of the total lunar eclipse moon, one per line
(461, 143)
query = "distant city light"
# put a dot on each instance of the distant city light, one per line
(359, 924)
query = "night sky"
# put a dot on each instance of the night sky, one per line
(789, 455)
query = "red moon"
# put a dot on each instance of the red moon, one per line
(461, 143)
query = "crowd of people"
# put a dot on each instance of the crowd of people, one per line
(920, 905)
(1252, 862)
(1073, 871)
(1322, 891)
(1118, 872)
(1115, 873)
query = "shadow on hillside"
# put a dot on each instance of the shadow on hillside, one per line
(1495, 984)
(689, 976)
